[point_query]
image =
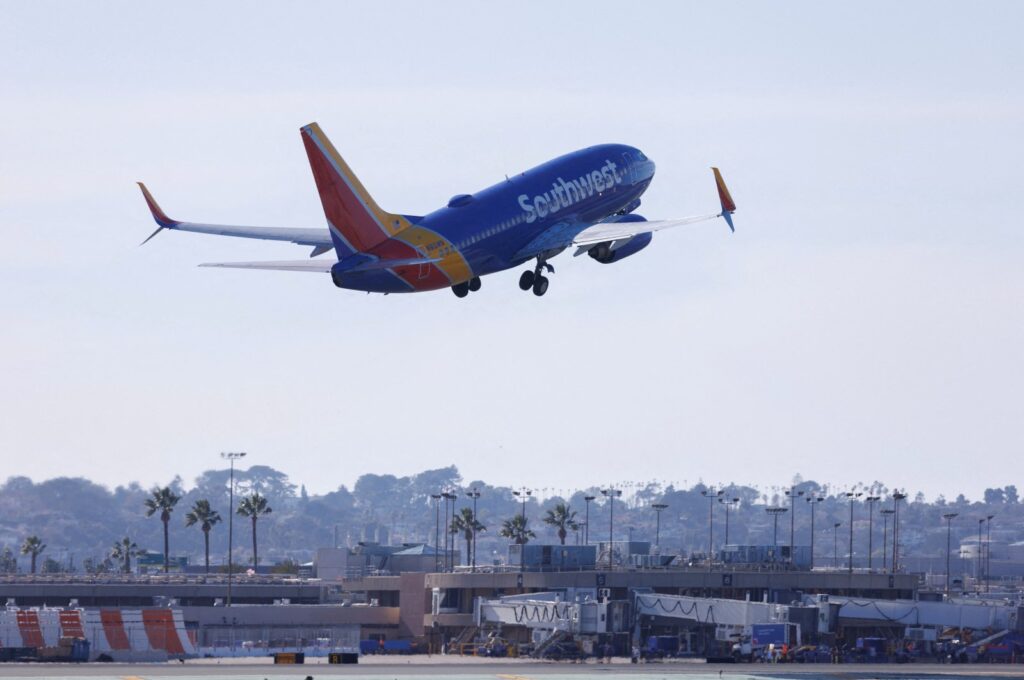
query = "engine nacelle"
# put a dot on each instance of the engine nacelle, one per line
(613, 251)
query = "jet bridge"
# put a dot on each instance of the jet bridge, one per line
(977, 615)
(547, 614)
(712, 611)
(555, 612)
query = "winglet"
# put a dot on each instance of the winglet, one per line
(159, 215)
(728, 205)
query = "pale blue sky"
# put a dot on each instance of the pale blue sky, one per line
(863, 323)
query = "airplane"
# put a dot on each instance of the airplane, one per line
(585, 199)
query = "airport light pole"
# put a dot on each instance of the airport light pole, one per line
(897, 496)
(792, 494)
(444, 530)
(853, 497)
(437, 531)
(474, 494)
(711, 495)
(775, 512)
(885, 512)
(449, 540)
(979, 570)
(658, 507)
(727, 502)
(812, 501)
(988, 552)
(871, 500)
(586, 519)
(611, 494)
(523, 494)
(949, 521)
(231, 457)
(835, 544)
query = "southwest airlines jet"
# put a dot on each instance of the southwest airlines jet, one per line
(584, 199)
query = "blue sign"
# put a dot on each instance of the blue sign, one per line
(768, 634)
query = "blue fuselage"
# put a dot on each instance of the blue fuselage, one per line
(535, 213)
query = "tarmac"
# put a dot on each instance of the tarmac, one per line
(445, 667)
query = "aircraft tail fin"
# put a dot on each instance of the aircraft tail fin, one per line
(356, 222)
(725, 198)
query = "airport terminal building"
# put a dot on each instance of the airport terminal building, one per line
(402, 599)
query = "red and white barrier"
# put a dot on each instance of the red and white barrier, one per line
(119, 633)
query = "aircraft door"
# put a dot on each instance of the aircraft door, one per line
(423, 270)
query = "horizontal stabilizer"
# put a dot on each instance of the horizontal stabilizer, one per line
(350, 265)
(282, 265)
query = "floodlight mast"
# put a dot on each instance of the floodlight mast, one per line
(658, 507)
(949, 522)
(712, 495)
(611, 493)
(523, 494)
(793, 494)
(231, 456)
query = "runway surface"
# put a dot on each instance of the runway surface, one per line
(442, 668)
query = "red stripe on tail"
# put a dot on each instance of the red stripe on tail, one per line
(346, 202)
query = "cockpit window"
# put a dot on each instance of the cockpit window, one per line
(641, 156)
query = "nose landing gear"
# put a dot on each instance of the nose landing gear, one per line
(535, 279)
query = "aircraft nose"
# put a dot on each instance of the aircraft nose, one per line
(647, 169)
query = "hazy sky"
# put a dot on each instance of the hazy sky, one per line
(864, 322)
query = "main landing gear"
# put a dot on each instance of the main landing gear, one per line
(535, 279)
(463, 289)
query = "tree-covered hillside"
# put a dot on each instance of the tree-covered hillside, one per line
(79, 520)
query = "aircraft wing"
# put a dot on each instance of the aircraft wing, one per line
(619, 227)
(320, 239)
(612, 231)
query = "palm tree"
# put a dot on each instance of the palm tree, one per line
(163, 500)
(563, 519)
(123, 551)
(254, 506)
(33, 546)
(469, 526)
(517, 529)
(205, 516)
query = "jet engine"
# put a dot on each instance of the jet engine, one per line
(613, 251)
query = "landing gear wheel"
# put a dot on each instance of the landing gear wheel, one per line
(526, 280)
(540, 285)
(474, 284)
(461, 290)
